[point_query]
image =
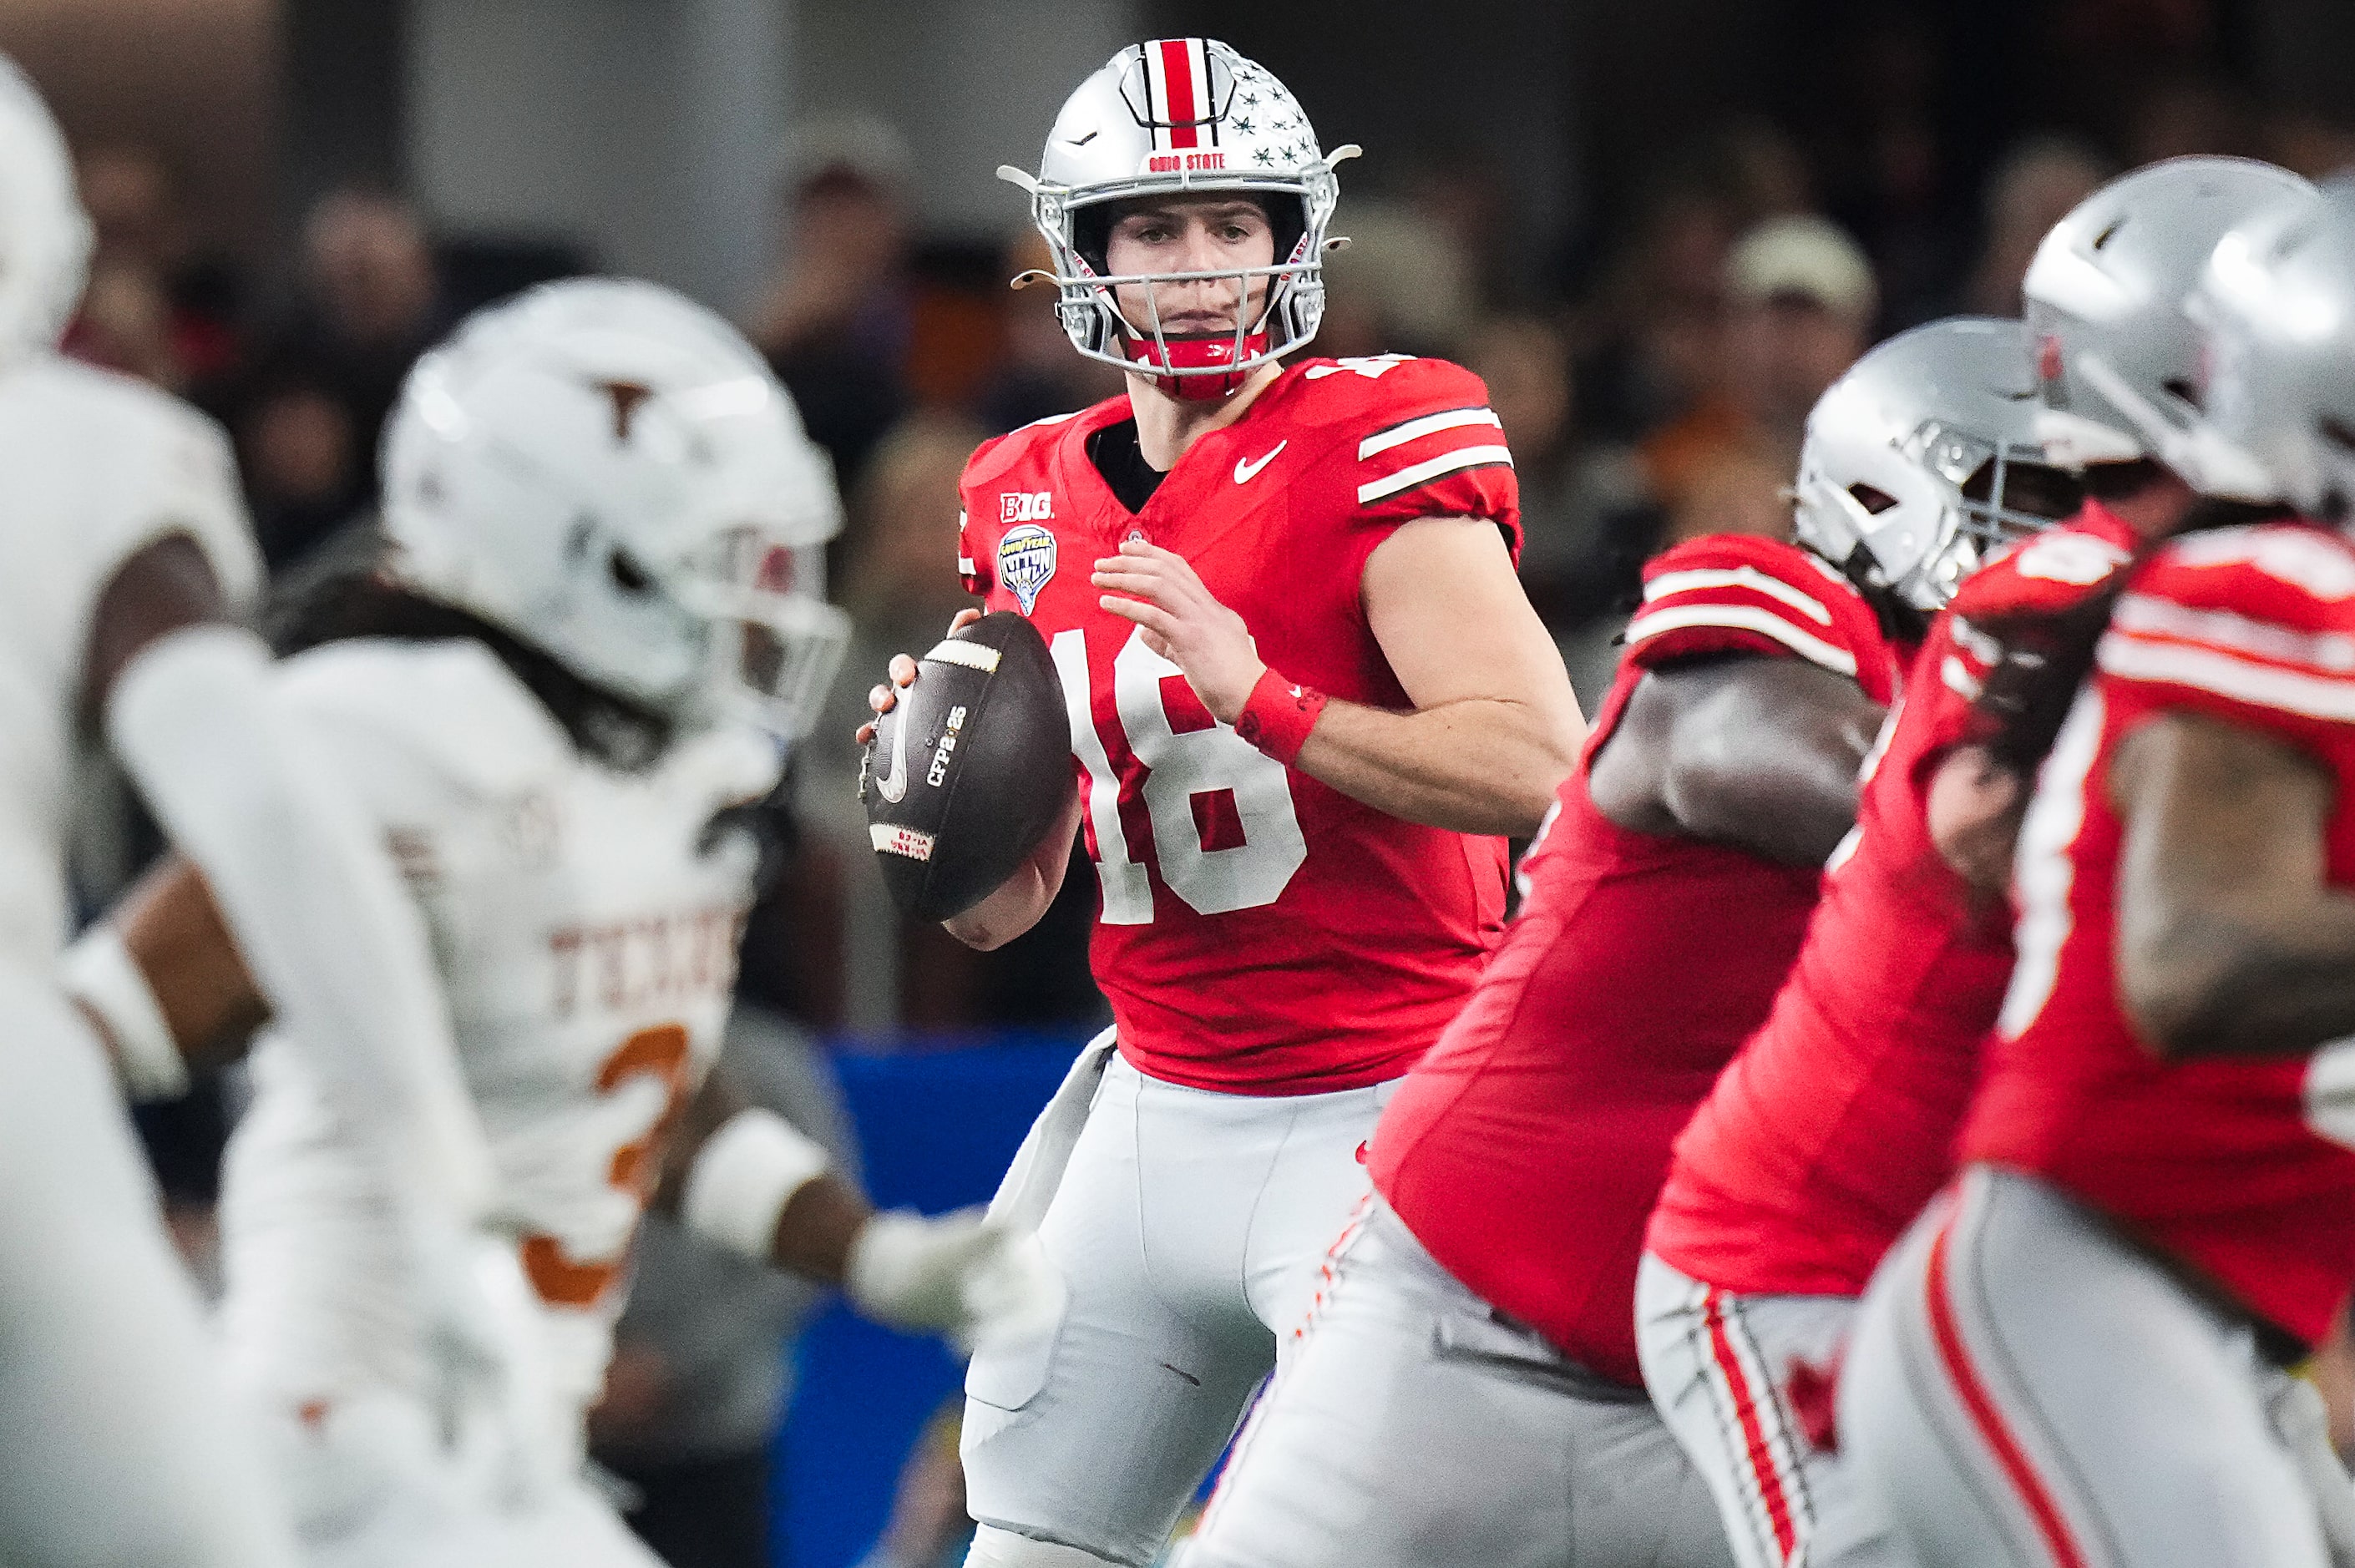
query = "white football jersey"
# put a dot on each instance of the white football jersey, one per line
(93, 468)
(586, 936)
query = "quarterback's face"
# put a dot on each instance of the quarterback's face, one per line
(1192, 234)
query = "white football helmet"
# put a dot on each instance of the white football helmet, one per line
(2277, 306)
(1921, 462)
(608, 471)
(1183, 115)
(44, 235)
(2118, 359)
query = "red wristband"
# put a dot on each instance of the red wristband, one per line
(1278, 715)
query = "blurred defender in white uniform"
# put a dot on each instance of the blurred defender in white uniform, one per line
(123, 558)
(600, 623)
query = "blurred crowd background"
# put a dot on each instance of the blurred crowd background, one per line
(1657, 232)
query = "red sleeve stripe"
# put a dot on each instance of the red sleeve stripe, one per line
(1743, 618)
(1668, 584)
(1430, 469)
(1424, 424)
(2223, 675)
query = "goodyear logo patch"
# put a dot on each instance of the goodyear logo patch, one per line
(1026, 560)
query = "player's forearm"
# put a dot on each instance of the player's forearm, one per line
(1023, 899)
(1482, 765)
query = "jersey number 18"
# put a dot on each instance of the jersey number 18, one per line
(1180, 765)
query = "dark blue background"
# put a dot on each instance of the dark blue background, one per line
(938, 1127)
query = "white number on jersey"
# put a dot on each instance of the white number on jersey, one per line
(663, 1055)
(1179, 767)
(2043, 872)
(2330, 1092)
(1370, 367)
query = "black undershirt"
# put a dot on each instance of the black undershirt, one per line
(1118, 456)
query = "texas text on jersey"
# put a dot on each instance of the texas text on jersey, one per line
(587, 939)
(2241, 1168)
(1525, 1150)
(1836, 1123)
(1259, 932)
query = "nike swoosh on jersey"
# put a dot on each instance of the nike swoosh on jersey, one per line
(893, 786)
(1246, 472)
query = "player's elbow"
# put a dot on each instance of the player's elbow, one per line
(1549, 755)
(983, 936)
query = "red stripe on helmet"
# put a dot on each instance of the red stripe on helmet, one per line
(1180, 87)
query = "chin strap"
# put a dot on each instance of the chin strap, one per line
(1206, 353)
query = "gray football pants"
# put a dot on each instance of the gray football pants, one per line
(1413, 1427)
(2024, 1390)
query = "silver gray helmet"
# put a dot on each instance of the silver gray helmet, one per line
(2277, 306)
(2118, 359)
(1176, 116)
(1922, 461)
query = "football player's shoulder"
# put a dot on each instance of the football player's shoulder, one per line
(2053, 571)
(88, 392)
(2290, 573)
(1403, 439)
(450, 709)
(1370, 394)
(2253, 624)
(128, 461)
(1739, 593)
(117, 424)
(1022, 449)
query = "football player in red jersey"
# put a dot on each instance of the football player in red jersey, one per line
(1308, 699)
(1836, 1123)
(1468, 1390)
(2082, 1356)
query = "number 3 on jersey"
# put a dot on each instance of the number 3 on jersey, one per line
(1182, 767)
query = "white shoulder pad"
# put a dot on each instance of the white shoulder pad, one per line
(148, 465)
(451, 707)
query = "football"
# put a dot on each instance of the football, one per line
(970, 769)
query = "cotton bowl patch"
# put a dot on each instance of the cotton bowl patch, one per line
(1026, 560)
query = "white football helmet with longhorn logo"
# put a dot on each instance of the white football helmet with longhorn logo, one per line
(608, 471)
(1172, 116)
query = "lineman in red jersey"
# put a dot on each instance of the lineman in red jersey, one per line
(1834, 1126)
(2080, 1359)
(1300, 871)
(1469, 1389)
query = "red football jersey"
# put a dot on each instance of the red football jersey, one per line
(1526, 1150)
(1258, 932)
(1836, 1122)
(2241, 1168)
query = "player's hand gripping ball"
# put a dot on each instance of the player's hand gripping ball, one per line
(968, 767)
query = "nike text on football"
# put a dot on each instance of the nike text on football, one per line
(1025, 506)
